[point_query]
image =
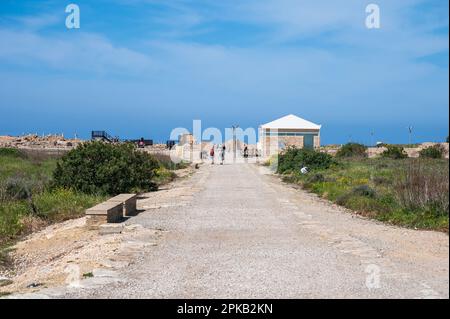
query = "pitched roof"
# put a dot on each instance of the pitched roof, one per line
(291, 122)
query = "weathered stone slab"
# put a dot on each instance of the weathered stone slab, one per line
(107, 229)
(106, 212)
(128, 201)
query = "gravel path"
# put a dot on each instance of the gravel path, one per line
(237, 232)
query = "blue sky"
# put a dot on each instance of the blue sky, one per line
(143, 67)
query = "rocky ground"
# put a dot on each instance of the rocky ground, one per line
(376, 151)
(39, 142)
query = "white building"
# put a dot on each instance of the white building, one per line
(289, 130)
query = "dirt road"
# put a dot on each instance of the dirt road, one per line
(235, 231)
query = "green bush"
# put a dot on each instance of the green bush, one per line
(394, 152)
(293, 159)
(101, 168)
(435, 151)
(352, 150)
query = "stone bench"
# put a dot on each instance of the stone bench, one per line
(128, 201)
(106, 212)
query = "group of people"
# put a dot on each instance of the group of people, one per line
(222, 154)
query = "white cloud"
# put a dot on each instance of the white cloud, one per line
(39, 21)
(72, 52)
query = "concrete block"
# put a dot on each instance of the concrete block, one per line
(109, 212)
(128, 201)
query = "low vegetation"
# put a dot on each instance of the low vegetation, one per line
(352, 150)
(108, 169)
(293, 159)
(435, 151)
(394, 152)
(27, 199)
(38, 190)
(165, 172)
(403, 191)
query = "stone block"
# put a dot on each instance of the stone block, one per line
(128, 201)
(106, 212)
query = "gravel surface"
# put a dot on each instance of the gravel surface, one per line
(235, 231)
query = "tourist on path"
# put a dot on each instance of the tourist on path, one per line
(223, 154)
(211, 153)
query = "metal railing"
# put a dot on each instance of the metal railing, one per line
(102, 135)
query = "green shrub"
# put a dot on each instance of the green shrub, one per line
(394, 152)
(352, 150)
(101, 168)
(435, 151)
(293, 159)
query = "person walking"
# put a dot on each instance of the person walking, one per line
(211, 153)
(246, 153)
(223, 154)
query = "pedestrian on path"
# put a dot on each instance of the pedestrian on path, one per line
(223, 154)
(211, 153)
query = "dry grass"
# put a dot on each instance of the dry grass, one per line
(408, 192)
(425, 187)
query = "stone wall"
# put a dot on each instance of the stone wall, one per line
(273, 144)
